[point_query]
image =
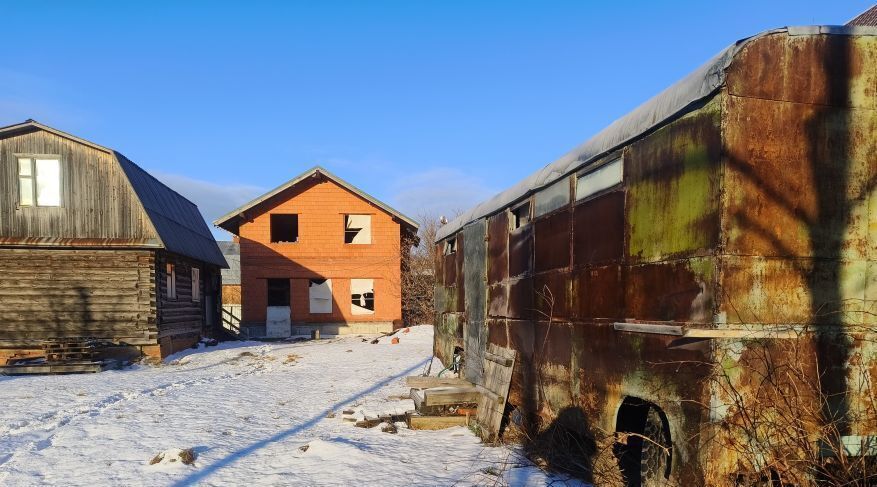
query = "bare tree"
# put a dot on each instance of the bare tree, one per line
(418, 271)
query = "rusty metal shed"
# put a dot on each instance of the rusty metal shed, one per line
(735, 207)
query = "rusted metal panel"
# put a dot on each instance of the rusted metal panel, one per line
(521, 251)
(498, 248)
(498, 299)
(553, 295)
(553, 241)
(475, 280)
(672, 179)
(522, 299)
(672, 291)
(598, 234)
(805, 69)
(497, 332)
(598, 293)
(798, 177)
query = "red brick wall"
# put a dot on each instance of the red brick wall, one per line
(320, 253)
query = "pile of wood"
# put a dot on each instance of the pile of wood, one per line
(69, 355)
(59, 350)
(446, 402)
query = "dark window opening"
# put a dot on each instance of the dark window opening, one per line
(357, 229)
(278, 292)
(450, 246)
(521, 216)
(284, 228)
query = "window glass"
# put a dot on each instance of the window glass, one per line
(553, 197)
(24, 167)
(357, 229)
(196, 284)
(603, 178)
(362, 296)
(25, 189)
(48, 182)
(171, 281)
(320, 296)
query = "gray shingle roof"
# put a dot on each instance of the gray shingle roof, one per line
(868, 17)
(232, 253)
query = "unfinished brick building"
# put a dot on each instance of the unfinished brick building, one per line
(317, 253)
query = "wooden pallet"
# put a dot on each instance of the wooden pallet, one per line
(71, 367)
(71, 349)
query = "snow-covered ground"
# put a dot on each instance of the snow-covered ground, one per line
(247, 410)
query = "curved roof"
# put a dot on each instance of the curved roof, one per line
(663, 107)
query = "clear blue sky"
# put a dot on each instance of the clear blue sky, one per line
(425, 105)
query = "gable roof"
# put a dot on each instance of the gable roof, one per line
(868, 17)
(231, 220)
(177, 221)
(673, 102)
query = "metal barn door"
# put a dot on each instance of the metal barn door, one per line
(475, 295)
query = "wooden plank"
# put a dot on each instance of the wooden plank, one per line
(436, 422)
(740, 333)
(419, 382)
(441, 396)
(492, 394)
(649, 328)
(503, 361)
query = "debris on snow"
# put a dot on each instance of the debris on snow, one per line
(174, 455)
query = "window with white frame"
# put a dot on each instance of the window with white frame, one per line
(604, 177)
(196, 284)
(171, 272)
(320, 296)
(39, 181)
(362, 296)
(357, 229)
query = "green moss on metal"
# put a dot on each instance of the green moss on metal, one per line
(672, 205)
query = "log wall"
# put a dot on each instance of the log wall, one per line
(50, 293)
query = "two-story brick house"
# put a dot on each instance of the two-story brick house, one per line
(318, 253)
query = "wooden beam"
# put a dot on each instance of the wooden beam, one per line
(442, 396)
(437, 422)
(418, 382)
(741, 333)
(503, 361)
(674, 330)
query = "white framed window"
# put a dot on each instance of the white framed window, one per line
(171, 272)
(603, 178)
(196, 284)
(357, 229)
(320, 296)
(39, 181)
(362, 296)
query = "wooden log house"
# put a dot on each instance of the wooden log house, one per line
(91, 245)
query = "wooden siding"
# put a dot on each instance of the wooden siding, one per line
(98, 206)
(180, 316)
(48, 293)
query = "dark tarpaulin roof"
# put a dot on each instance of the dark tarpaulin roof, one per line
(177, 220)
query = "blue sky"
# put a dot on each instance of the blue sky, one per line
(429, 106)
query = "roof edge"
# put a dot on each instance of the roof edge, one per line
(219, 222)
(33, 123)
(670, 103)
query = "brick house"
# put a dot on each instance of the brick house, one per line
(318, 253)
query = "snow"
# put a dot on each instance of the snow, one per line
(253, 413)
